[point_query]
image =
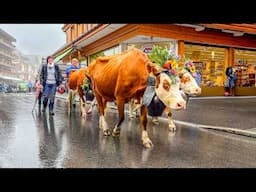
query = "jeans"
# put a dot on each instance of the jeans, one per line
(49, 93)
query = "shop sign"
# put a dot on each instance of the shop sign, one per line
(147, 50)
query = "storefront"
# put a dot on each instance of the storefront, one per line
(245, 65)
(211, 62)
(211, 49)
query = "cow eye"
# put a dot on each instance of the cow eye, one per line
(166, 85)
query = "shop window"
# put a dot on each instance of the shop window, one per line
(210, 62)
(245, 65)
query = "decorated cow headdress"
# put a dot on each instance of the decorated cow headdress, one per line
(172, 63)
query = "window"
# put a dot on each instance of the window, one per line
(73, 33)
(210, 62)
(245, 65)
(108, 52)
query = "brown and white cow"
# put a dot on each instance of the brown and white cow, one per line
(75, 81)
(123, 77)
(187, 84)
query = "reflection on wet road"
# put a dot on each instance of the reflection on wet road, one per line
(38, 140)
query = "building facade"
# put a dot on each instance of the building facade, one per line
(6, 54)
(212, 47)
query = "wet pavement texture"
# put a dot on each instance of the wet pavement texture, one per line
(226, 112)
(40, 141)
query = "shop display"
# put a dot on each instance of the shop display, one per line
(245, 75)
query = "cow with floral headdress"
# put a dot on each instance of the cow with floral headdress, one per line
(178, 69)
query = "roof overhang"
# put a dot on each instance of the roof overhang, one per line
(107, 30)
(89, 38)
(236, 29)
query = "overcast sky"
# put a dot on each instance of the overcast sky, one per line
(36, 39)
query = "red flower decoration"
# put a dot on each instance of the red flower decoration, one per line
(167, 65)
(173, 72)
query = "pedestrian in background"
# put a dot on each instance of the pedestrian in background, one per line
(74, 66)
(51, 78)
(232, 82)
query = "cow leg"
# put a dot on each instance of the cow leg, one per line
(120, 107)
(69, 101)
(143, 124)
(91, 105)
(131, 116)
(102, 121)
(105, 127)
(171, 125)
(82, 103)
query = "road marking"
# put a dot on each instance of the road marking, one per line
(221, 97)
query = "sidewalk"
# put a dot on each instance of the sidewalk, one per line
(231, 114)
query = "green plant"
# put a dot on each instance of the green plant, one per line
(95, 56)
(158, 55)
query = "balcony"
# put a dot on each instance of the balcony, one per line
(6, 54)
(7, 44)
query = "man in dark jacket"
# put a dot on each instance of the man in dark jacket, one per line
(51, 78)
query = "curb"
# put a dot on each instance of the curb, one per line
(218, 128)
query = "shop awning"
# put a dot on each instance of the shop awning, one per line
(62, 55)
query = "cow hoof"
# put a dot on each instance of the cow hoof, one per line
(172, 128)
(131, 117)
(89, 111)
(106, 132)
(83, 115)
(116, 133)
(147, 143)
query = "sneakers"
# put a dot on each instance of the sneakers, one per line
(51, 112)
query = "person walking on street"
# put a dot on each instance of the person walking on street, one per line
(51, 78)
(74, 66)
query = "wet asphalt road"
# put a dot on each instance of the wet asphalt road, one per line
(228, 112)
(40, 141)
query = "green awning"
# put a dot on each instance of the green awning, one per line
(62, 55)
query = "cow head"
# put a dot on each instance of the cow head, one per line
(188, 83)
(167, 90)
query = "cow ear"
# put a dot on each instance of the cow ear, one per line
(156, 70)
(149, 68)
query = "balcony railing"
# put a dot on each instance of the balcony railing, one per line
(7, 44)
(5, 54)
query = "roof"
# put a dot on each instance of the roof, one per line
(234, 28)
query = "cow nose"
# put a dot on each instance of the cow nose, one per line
(198, 91)
(180, 105)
